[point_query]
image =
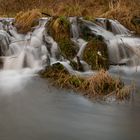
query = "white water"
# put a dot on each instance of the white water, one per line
(22, 56)
(24, 50)
(37, 49)
(35, 110)
(123, 46)
(115, 26)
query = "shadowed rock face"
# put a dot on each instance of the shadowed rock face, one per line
(4, 42)
(136, 20)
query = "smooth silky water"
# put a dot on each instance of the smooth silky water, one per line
(32, 109)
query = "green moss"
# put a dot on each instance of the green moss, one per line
(53, 71)
(64, 21)
(74, 65)
(75, 81)
(96, 54)
(89, 18)
(59, 29)
(67, 48)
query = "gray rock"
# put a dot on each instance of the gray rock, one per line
(4, 42)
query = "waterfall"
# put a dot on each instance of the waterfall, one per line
(123, 45)
(112, 25)
(125, 50)
(37, 49)
(23, 50)
(79, 42)
(74, 27)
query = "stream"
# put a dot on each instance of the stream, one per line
(32, 109)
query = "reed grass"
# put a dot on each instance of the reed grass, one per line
(24, 21)
(122, 10)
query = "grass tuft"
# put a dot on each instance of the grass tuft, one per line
(124, 11)
(101, 85)
(24, 21)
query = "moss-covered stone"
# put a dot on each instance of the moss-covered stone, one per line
(67, 48)
(96, 54)
(53, 71)
(59, 29)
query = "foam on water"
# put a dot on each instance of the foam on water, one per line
(12, 81)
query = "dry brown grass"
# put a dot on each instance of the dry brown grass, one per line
(101, 85)
(56, 7)
(79, 7)
(124, 11)
(24, 21)
(11, 7)
(59, 28)
(102, 82)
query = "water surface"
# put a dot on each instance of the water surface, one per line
(31, 109)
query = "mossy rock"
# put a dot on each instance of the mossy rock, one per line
(67, 48)
(96, 54)
(59, 29)
(53, 71)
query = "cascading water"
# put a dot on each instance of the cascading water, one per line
(123, 46)
(113, 26)
(37, 49)
(32, 109)
(81, 43)
(23, 51)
